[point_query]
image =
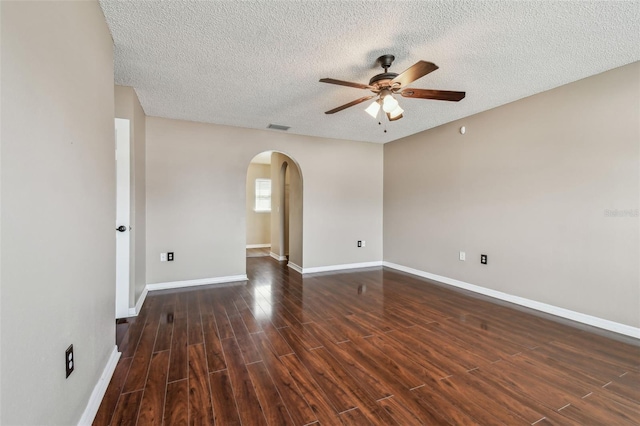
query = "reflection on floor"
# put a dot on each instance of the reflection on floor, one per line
(258, 252)
(361, 347)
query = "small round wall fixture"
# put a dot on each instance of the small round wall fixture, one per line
(463, 130)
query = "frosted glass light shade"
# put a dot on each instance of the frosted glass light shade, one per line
(389, 103)
(373, 109)
(396, 112)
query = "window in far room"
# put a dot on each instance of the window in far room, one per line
(263, 195)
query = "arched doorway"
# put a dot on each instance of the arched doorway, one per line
(276, 177)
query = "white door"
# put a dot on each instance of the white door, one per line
(123, 234)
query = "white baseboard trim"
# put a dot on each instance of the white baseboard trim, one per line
(133, 312)
(192, 283)
(100, 389)
(294, 267)
(250, 246)
(616, 327)
(341, 267)
(277, 257)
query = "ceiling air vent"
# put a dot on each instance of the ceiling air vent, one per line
(278, 127)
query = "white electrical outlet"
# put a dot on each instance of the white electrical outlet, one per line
(163, 257)
(463, 256)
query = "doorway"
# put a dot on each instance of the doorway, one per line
(258, 206)
(274, 208)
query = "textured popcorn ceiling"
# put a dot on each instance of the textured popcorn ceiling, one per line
(252, 63)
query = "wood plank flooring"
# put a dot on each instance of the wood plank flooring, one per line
(258, 252)
(359, 348)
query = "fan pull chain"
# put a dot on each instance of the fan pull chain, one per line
(380, 122)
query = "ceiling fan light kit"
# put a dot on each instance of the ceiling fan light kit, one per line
(386, 84)
(395, 117)
(373, 109)
(396, 113)
(389, 103)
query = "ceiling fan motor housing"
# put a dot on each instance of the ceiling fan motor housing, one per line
(382, 80)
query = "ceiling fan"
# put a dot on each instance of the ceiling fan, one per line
(387, 84)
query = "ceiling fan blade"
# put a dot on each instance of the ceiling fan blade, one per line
(350, 104)
(346, 83)
(414, 72)
(394, 118)
(439, 95)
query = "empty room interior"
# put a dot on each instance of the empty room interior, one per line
(319, 213)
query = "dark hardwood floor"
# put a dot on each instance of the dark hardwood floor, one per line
(258, 252)
(358, 348)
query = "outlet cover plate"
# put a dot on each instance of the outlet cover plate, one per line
(69, 360)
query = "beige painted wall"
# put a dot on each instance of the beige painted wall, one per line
(196, 184)
(258, 223)
(529, 185)
(296, 215)
(278, 227)
(287, 235)
(58, 208)
(128, 106)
